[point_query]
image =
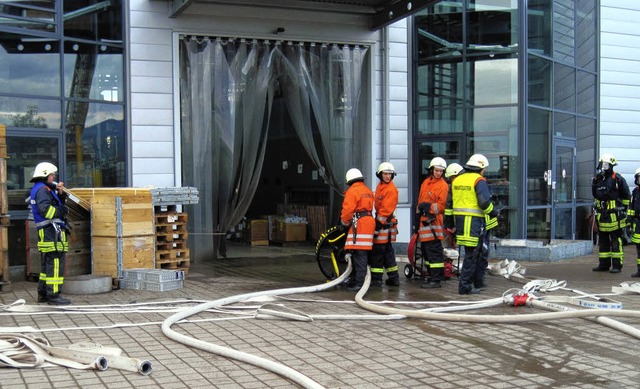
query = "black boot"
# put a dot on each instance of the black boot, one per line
(437, 274)
(394, 278)
(42, 298)
(431, 285)
(616, 266)
(56, 299)
(604, 265)
(636, 274)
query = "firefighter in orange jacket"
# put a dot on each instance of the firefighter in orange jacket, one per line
(357, 216)
(431, 206)
(382, 255)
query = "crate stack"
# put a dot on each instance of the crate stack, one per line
(171, 248)
(122, 230)
(5, 282)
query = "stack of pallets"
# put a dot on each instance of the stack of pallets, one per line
(172, 251)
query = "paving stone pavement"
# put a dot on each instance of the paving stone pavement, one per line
(408, 353)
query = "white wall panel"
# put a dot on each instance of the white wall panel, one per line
(620, 83)
(152, 149)
(152, 133)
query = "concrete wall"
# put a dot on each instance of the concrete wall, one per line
(153, 100)
(620, 83)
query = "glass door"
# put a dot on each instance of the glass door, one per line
(563, 190)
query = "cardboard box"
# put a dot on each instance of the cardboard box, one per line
(258, 230)
(291, 232)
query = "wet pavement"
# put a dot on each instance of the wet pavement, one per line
(568, 353)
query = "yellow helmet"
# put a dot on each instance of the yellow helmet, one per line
(43, 169)
(354, 175)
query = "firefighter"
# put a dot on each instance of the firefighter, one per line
(611, 199)
(49, 211)
(432, 200)
(357, 217)
(382, 255)
(471, 204)
(632, 219)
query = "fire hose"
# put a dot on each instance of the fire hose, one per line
(24, 350)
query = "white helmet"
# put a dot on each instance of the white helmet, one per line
(637, 171)
(354, 175)
(43, 169)
(608, 158)
(477, 161)
(453, 170)
(438, 162)
(386, 167)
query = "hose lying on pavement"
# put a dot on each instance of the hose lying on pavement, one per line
(264, 363)
(566, 313)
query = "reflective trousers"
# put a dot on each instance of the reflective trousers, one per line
(51, 273)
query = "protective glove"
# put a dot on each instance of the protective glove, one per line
(342, 227)
(494, 213)
(379, 225)
(424, 208)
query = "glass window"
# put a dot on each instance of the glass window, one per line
(493, 81)
(440, 121)
(539, 33)
(30, 65)
(564, 125)
(539, 224)
(539, 81)
(24, 154)
(96, 66)
(440, 84)
(564, 87)
(538, 157)
(492, 26)
(96, 146)
(585, 158)
(586, 38)
(427, 150)
(17, 16)
(586, 93)
(494, 133)
(564, 31)
(439, 31)
(32, 113)
(93, 20)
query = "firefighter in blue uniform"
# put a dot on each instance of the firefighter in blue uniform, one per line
(49, 214)
(611, 199)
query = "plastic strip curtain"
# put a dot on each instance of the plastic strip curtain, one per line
(227, 88)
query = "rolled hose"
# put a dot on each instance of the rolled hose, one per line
(264, 363)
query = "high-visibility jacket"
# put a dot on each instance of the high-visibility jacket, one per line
(386, 201)
(434, 191)
(49, 213)
(471, 204)
(357, 211)
(611, 198)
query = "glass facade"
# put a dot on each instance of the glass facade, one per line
(516, 81)
(62, 93)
